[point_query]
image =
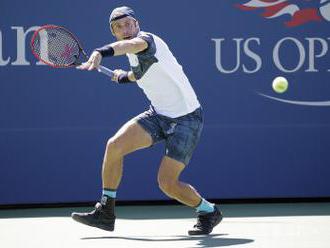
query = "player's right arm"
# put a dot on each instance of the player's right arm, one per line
(93, 62)
(123, 47)
(118, 48)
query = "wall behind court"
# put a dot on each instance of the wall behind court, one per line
(54, 124)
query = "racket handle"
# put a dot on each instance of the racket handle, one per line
(105, 71)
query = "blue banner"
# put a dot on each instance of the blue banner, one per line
(256, 143)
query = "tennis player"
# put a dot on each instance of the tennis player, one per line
(175, 117)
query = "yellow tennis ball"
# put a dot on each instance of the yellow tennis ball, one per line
(280, 84)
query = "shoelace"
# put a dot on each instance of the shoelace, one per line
(100, 211)
(203, 221)
(98, 206)
(97, 210)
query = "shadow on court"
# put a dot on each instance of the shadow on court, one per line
(179, 211)
(212, 240)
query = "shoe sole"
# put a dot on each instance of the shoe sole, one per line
(193, 232)
(83, 221)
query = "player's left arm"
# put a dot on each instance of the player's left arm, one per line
(122, 77)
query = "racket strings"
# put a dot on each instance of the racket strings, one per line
(56, 46)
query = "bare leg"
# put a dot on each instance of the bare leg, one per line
(168, 179)
(129, 138)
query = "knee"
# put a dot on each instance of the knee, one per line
(168, 186)
(114, 148)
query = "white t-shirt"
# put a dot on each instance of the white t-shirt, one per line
(162, 79)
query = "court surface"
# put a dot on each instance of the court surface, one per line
(303, 225)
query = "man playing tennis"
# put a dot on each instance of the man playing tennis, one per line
(175, 116)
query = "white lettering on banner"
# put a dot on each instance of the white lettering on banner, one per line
(21, 44)
(247, 51)
(316, 48)
(312, 55)
(2, 61)
(329, 69)
(218, 55)
(276, 54)
(252, 55)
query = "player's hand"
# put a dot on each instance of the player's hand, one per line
(93, 62)
(116, 74)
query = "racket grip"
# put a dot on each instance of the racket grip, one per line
(105, 71)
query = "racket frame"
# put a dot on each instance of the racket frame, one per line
(50, 26)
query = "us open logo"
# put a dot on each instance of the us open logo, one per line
(300, 11)
(312, 53)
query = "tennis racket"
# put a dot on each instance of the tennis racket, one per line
(59, 48)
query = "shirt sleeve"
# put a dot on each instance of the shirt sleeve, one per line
(151, 49)
(146, 58)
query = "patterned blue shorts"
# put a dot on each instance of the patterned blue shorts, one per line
(180, 134)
